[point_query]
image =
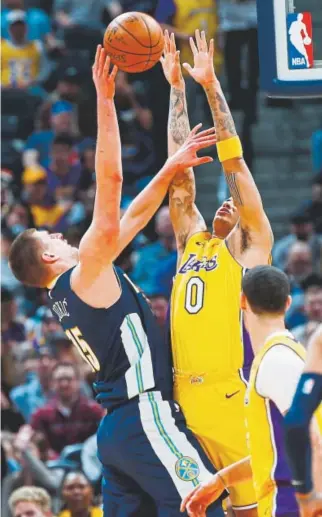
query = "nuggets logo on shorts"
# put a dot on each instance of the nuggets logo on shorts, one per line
(187, 469)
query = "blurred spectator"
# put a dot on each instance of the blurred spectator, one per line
(166, 272)
(62, 175)
(45, 211)
(127, 98)
(38, 145)
(69, 418)
(312, 287)
(159, 306)
(8, 280)
(148, 259)
(71, 13)
(299, 265)
(301, 230)
(77, 496)
(238, 22)
(30, 500)
(38, 22)
(13, 331)
(23, 64)
(36, 390)
(317, 150)
(91, 465)
(68, 89)
(18, 218)
(314, 206)
(31, 454)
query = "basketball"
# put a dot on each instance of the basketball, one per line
(134, 41)
(307, 41)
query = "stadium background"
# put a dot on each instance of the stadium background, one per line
(48, 179)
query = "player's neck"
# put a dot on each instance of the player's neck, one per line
(262, 327)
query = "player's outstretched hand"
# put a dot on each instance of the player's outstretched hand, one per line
(170, 61)
(203, 70)
(104, 80)
(197, 502)
(186, 155)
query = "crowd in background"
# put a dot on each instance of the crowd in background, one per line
(49, 415)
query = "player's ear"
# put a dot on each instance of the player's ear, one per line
(288, 302)
(49, 258)
(243, 304)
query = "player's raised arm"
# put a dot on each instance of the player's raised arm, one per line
(252, 241)
(185, 216)
(148, 201)
(99, 243)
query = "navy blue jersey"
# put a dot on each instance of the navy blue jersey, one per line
(123, 344)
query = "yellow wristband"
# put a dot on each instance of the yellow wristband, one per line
(230, 148)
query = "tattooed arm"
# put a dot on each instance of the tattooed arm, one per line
(251, 241)
(185, 217)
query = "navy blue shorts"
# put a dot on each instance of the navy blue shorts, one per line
(151, 461)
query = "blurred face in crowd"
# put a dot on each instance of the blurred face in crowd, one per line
(18, 216)
(60, 154)
(62, 122)
(65, 383)
(302, 231)
(29, 509)
(159, 306)
(163, 226)
(45, 366)
(89, 159)
(18, 32)
(313, 304)
(35, 193)
(68, 91)
(225, 219)
(49, 327)
(77, 492)
(299, 262)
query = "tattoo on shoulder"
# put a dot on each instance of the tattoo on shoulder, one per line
(232, 181)
(178, 120)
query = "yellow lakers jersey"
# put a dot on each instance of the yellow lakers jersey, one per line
(19, 65)
(264, 425)
(207, 326)
(191, 15)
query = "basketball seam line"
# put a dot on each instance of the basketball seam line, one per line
(130, 34)
(149, 33)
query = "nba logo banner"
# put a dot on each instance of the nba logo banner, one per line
(299, 40)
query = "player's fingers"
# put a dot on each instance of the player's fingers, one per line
(101, 62)
(202, 144)
(106, 68)
(211, 48)
(98, 50)
(172, 44)
(114, 72)
(195, 129)
(162, 60)
(177, 57)
(204, 44)
(187, 498)
(198, 39)
(187, 67)
(193, 46)
(166, 41)
(206, 132)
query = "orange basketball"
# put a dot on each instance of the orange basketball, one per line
(134, 41)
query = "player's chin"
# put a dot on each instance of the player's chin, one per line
(223, 224)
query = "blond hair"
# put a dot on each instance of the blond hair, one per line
(32, 494)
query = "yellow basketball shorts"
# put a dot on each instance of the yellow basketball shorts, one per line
(214, 411)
